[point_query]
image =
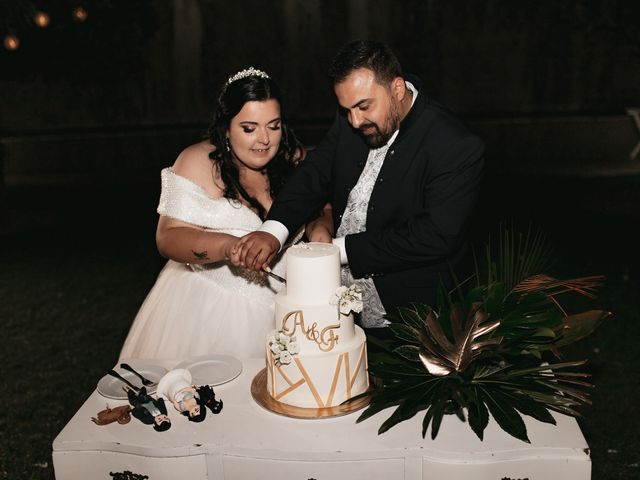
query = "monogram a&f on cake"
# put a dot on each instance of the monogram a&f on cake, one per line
(317, 356)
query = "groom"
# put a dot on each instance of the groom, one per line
(402, 174)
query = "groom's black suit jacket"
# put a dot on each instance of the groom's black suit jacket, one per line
(419, 208)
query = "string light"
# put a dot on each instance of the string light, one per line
(79, 14)
(41, 19)
(11, 42)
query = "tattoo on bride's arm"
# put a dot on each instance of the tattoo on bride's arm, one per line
(200, 255)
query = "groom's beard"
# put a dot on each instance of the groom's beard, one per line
(380, 136)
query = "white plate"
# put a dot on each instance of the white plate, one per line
(212, 369)
(111, 387)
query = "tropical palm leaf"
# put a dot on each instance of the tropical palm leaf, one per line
(578, 326)
(478, 414)
(482, 354)
(515, 257)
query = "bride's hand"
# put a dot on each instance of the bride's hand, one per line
(321, 229)
(232, 252)
(255, 250)
(319, 233)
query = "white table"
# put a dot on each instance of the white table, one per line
(245, 441)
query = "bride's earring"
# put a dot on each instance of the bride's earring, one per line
(227, 144)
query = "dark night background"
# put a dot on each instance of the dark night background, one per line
(91, 111)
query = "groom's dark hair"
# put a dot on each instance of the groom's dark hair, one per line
(376, 56)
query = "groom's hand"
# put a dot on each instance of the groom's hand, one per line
(256, 250)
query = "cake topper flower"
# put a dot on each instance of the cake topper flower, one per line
(282, 347)
(348, 299)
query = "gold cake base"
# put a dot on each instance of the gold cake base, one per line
(262, 397)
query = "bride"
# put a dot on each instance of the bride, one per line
(217, 191)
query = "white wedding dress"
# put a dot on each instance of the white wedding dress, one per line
(197, 310)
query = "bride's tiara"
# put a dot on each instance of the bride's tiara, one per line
(247, 72)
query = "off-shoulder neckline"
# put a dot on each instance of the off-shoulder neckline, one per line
(237, 204)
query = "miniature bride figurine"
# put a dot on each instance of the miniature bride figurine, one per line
(176, 387)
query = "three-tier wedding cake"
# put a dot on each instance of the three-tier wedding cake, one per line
(317, 356)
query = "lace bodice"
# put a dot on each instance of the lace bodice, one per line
(183, 200)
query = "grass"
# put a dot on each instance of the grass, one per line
(75, 265)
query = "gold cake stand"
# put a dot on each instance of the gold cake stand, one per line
(261, 395)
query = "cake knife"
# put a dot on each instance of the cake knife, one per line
(277, 277)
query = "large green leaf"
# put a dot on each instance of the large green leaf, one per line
(519, 319)
(438, 414)
(393, 372)
(494, 297)
(377, 405)
(409, 352)
(421, 309)
(546, 368)
(553, 401)
(379, 344)
(454, 355)
(529, 407)
(389, 396)
(581, 396)
(410, 317)
(406, 333)
(407, 409)
(428, 416)
(578, 326)
(476, 295)
(505, 415)
(478, 414)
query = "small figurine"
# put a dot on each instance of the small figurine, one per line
(149, 410)
(121, 414)
(176, 387)
(208, 399)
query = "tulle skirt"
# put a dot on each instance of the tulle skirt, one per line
(191, 313)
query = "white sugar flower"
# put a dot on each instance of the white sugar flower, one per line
(284, 339)
(335, 298)
(348, 299)
(285, 358)
(356, 305)
(345, 307)
(283, 346)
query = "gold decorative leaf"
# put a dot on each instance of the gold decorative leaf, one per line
(580, 325)
(441, 356)
(551, 286)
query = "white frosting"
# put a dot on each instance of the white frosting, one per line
(313, 272)
(321, 379)
(302, 321)
(331, 365)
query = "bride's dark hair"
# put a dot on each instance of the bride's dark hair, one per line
(230, 101)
